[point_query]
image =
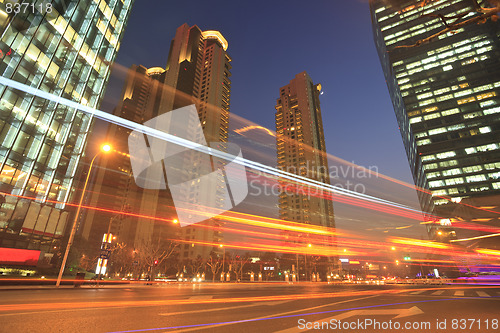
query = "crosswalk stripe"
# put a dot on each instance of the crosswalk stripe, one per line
(482, 294)
(439, 292)
(459, 293)
(417, 292)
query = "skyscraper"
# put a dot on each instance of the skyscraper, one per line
(114, 188)
(301, 150)
(197, 72)
(198, 68)
(446, 96)
(64, 48)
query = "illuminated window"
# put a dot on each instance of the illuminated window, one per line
(432, 116)
(450, 112)
(430, 166)
(492, 166)
(463, 93)
(423, 142)
(452, 172)
(487, 103)
(415, 120)
(471, 150)
(486, 95)
(446, 154)
(437, 131)
(473, 168)
(475, 178)
(466, 100)
(492, 111)
(454, 181)
(433, 175)
(438, 192)
(472, 115)
(484, 130)
(448, 163)
(436, 183)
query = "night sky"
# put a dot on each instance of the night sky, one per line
(270, 42)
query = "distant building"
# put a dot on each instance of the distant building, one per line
(65, 48)
(301, 150)
(113, 186)
(446, 96)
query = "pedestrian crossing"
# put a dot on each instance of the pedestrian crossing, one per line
(456, 293)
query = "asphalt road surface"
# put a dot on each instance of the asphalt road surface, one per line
(256, 307)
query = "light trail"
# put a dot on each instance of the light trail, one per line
(474, 238)
(249, 128)
(195, 146)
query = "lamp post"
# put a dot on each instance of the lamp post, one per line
(223, 258)
(105, 148)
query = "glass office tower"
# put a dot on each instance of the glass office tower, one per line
(65, 48)
(446, 96)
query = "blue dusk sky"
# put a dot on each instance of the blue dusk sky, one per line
(270, 42)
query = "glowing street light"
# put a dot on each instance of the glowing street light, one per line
(393, 248)
(175, 221)
(104, 148)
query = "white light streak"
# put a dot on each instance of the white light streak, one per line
(201, 148)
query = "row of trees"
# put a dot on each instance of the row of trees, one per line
(162, 259)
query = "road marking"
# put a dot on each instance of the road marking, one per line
(417, 292)
(225, 308)
(459, 293)
(439, 292)
(415, 310)
(201, 297)
(482, 294)
(280, 314)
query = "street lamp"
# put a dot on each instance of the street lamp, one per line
(223, 258)
(104, 148)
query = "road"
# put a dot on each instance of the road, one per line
(284, 308)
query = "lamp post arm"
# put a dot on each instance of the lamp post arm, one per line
(75, 224)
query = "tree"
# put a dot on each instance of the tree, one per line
(215, 264)
(482, 11)
(151, 254)
(121, 258)
(237, 263)
(87, 262)
(196, 265)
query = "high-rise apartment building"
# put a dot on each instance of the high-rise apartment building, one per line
(301, 150)
(64, 48)
(198, 70)
(446, 96)
(114, 188)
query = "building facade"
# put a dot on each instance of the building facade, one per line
(128, 208)
(198, 70)
(64, 48)
(301, 150)
(446, 96)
